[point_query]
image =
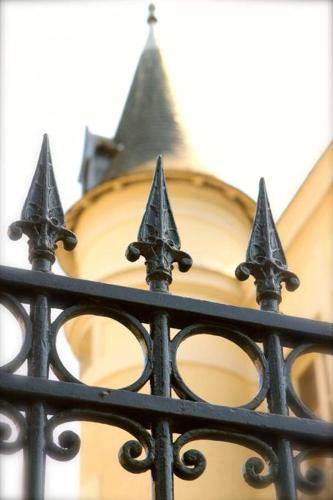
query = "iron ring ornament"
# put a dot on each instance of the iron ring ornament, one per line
(129, 321)
(7, 444)
(192, 464)
(296, 404)
(23, 319)
(68, 444)
(238, 338)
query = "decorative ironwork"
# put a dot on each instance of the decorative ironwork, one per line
(193, 463)
(42, 217)
(69, 443)
(265, 258)
(130, 322)
(159, 242)
(313, 479)
(7, 444)
(22, 317)
(244, 342)
(158, 239)
(36, 406)
(266, 261)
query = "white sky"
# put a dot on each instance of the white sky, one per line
(253, 79)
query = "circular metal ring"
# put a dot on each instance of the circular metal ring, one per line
(238, 338)
(23, 319)
(294, 401)
(130, 322)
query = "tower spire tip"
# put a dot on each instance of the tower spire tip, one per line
(152, 19)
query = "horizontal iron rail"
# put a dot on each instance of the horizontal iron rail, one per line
(63, 292)
(185, 415)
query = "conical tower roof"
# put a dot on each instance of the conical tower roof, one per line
(150, 124)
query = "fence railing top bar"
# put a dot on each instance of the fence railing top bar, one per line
(64, 292)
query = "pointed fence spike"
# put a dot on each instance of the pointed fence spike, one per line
(158, 220)
(264, 240)
(42, 216)
(43, 198)
(158, 239)
(265, 258)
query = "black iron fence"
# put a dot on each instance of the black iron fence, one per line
(37, 405)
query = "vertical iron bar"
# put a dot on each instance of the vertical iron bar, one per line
(160, 386)
(266, 261)
(277, 403)
(42, 220)
(38, 366)
(159, 242)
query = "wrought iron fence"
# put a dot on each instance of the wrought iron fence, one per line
(37, 405)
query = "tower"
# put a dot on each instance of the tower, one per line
(214, 221)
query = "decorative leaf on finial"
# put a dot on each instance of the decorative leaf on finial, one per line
(42, 217)
(265, 258)
(158, 239)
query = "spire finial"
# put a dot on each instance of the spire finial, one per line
(151, 17)
(42, 217)
(158, 239)
(265, 258)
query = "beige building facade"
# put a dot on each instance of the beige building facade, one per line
(214, 222)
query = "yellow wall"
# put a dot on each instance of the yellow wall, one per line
(306, 229)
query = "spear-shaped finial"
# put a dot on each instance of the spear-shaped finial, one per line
(265, 258)
(42, 217)
(158, 239)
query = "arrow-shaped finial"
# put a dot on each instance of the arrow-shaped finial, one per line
(158, 239)
(42, 217)
(265, 258)
(158, 221)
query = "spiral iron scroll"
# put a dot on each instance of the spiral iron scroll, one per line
(130, 322)
(312, 480)
(296, 404)
(192, 464)
(7, 445)
(69, 443)
(241, 340)
(22, 317)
